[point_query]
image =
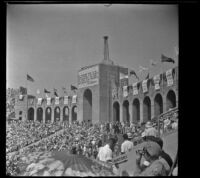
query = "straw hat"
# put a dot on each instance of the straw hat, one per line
(148, 125)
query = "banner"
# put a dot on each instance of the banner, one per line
(157, 82)
(66, 100)
(88, 77)
(114, 92)
(125, 91)
(135, 89)
(56, 100)
(39, 101)
(169, 77)
(21, 97)
(74, 99)
(48, 101)
(120, 159)
(124, 82)
(144, 86)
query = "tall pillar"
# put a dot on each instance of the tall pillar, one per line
(141, 111)
(164, 103)
(35, 114)
(44, 111)
(152, 108)
(121, 112)
(52, 114)
(61, 114)
(130, 112)
(70, 115)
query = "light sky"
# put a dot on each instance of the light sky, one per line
(52, 42)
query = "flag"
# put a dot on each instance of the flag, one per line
(153, 63)
(123, 73)
(64, 90)
(73, 87)
(46, 91)
(147, 77)
(166, 59)
(22, 90)
(30, 78)
(55, 92)
(132, 72)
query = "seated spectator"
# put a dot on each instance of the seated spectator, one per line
(127, 145)
(153, 165)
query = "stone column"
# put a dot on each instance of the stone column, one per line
(121, 112)
(164, 103)
(35, 114)
(44, 111)
(152, 108)
(141, 110)
(61, 114)
(130, 112)
(70, 114)
(52, 114)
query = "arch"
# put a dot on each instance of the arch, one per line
(87, 105)
(39, 114)
(126, 117)
(31, 114)
(136, 110)
(170, 100)
(66, 114)
(57, 114)
(116, 112)
(48, 114)
(74, 113)
(146, 109)
(158, 105)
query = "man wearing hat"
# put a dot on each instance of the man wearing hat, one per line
(149, 130)
(127, 145)
(153, 164)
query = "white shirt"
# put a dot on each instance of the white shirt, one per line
(127, 146)
(151, 132)
(105, 153)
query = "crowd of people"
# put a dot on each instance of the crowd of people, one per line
(20, 134)
(82, 138)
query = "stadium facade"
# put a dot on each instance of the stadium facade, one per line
(104, 94)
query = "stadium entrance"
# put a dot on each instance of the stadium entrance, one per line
(48, 115)
(39, 114)
(31, 114)
(87, 106)
(116, 112)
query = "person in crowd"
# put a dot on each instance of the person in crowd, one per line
(174, 123)
(152, 166)
(127, 145)
(150, 130)
(163, 154)
(105, 153)
(166, 124)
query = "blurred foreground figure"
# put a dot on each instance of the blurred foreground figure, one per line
(153, 165)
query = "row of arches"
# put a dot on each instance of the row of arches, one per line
(57, 114)
(158, 107)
